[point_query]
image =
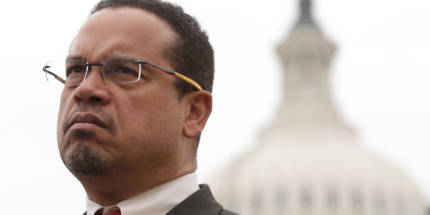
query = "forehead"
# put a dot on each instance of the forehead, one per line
(122, 31)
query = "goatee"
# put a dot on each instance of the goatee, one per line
(85, 161)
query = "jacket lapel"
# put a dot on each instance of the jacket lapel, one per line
(201, 202)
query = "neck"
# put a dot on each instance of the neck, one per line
(113, 188)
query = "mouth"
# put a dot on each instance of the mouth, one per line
(85, 121)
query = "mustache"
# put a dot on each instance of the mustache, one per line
(108, 122)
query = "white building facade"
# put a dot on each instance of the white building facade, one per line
(308, 161)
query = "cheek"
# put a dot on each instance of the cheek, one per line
(151, 120)
(152, 137)
(62, 115)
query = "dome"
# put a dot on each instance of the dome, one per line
(308, 160)
(315, 178)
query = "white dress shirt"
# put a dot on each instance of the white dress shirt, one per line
(156, 201)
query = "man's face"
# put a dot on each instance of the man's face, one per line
(105, 127)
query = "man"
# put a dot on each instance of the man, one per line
(136, 98)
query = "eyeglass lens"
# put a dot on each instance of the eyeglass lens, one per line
(116, 70)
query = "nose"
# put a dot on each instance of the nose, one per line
(93, 90)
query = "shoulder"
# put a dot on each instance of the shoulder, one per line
(227, 212)
(202, 202)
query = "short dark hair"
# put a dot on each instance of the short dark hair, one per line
(192, 53)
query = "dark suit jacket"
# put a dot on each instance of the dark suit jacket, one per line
(202, 202)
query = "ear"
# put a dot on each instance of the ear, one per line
(200, 107)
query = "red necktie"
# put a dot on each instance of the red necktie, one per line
(115, 212)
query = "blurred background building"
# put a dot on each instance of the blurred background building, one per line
(308, 160)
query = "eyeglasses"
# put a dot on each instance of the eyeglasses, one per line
(119, 70)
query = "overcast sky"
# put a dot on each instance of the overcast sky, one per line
(380, 79)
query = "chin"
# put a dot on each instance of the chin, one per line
(82, 159)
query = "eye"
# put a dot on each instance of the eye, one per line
(125, 71)
(75, 70)
(121, 74)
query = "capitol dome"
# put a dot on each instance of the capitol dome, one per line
(308, 160)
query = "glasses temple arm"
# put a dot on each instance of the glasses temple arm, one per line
(177, 75)
(45, 69)
(188, 80)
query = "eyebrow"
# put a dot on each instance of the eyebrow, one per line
(119, 57)
(74, 57)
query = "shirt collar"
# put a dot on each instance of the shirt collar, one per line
(156, 201)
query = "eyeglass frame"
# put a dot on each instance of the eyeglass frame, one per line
(137, 61)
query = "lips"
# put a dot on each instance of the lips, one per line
(86, 118)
